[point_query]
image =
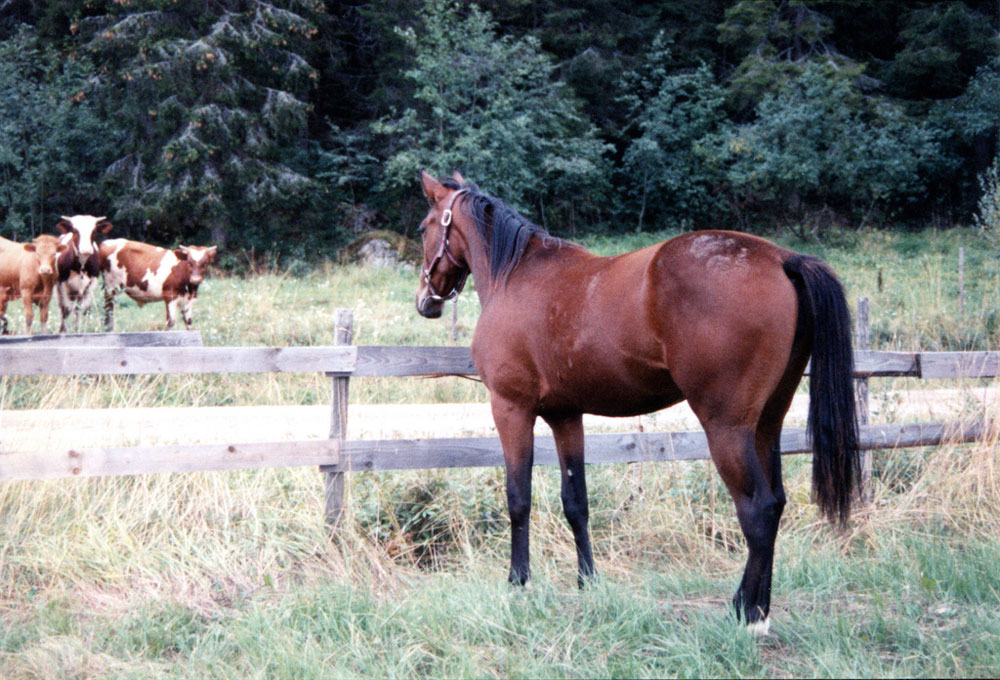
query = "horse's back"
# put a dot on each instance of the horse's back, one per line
(635, 332)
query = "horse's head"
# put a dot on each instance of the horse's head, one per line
(444, 270)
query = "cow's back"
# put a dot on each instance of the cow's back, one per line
(138, 268)
(11, 256)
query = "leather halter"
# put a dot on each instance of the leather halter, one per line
(444, 251)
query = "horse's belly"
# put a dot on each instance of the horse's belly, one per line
(614, 396)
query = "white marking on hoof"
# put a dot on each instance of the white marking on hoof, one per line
(760, 628)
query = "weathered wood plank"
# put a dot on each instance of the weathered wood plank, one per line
(875, 363)
(138, 460)
(371, 361)
(407, 361)
(956, 365)
(417, 454)
(375, 360)
(163, 360)
(411, 454)
(136, 339)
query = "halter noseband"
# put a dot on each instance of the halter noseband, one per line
(445, 251)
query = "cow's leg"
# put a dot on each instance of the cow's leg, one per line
(4, 330)
(187, 309)
(515, 426)
(109, 309)
(29, 309)
(568, 433)
(172, 304)
(65, 306)
(43, 309)
(84, 302)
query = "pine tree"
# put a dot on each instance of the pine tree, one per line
(214, 99)
(53, 146)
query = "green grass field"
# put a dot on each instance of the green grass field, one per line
(234, 575)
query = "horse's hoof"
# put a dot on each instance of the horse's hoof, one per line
(759, 628)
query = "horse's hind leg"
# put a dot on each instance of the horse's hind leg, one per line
(767, 444)
(568, 434)
(516, 429)
(758, 508)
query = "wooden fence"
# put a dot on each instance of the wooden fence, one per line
(182, 353)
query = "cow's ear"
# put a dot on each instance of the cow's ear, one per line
(65, 226)
(433, 189)
(30, 247)
(210, 253)
(181, 253)
(103, 226)
(62, 247)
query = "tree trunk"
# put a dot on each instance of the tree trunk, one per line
(220, 236)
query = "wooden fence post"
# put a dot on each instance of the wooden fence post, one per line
(334, 487)
(861, 391)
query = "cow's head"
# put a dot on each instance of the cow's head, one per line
(199, 257)
(46, 249)
(84, 230)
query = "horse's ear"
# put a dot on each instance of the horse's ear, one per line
(457, 176)
(433, 189)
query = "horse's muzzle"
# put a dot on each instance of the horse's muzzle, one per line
(428, 307)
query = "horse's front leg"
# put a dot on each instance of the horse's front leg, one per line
(568, 434)
(515, 425)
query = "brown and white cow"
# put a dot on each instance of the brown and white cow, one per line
(149, 273)
(28, 270)
(79, 266)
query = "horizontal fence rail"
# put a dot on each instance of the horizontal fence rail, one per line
(388, 361)
(182, 353)
(134, 339)
(422, 454)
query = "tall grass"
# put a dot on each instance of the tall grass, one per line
(236, 574)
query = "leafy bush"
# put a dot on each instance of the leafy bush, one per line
(818, 142)
(491, 108)
(668, 166)
(987, 219)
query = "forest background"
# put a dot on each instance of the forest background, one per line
(287, 127)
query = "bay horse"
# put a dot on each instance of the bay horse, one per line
(725, 320)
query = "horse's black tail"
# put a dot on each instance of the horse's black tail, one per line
(833, 425)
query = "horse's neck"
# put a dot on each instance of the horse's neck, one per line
(541, 251)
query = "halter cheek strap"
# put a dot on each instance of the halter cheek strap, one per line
(443, 251)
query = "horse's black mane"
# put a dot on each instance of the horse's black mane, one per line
(504, 231)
